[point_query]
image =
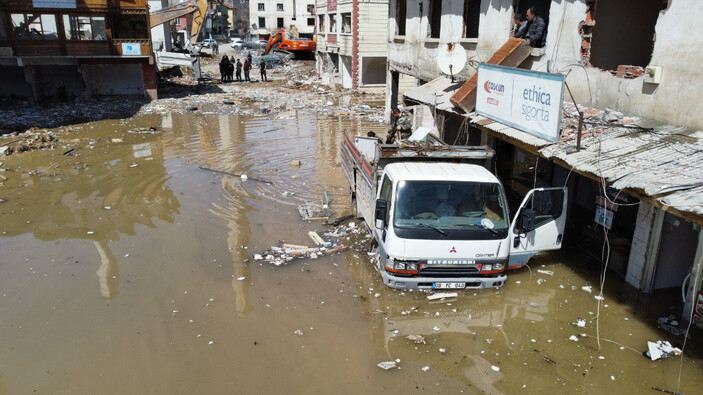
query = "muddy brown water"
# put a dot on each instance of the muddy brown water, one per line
(126, 268)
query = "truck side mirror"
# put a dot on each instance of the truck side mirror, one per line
(527, 220)
(380, 213)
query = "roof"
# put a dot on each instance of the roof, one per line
(439, 171)
(442, 87)
(653, 160)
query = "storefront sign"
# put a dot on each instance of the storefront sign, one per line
(526, 100)
(604, 217)
(54, 3)
(131, 49)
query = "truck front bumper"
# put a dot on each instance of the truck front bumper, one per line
(429, 284)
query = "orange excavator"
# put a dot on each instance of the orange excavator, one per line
(284, 41)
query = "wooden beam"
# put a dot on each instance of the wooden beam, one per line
(511, 54)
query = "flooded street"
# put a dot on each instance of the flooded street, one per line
(127, 268)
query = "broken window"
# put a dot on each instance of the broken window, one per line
(34, 26)
(618, 41)
(261, 7)
(400, 16)
(435, 18)
(83, 28)
(346, 22)
(131, 26)
(373, 70)
(279, 7)
(472, 11)
(311, 8)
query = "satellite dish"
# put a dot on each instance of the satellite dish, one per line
(451, 59)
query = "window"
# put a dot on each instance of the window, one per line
(435, 18)
(346, 22)
(178, 21)
(34, 26)
(635, 34)
(279, 7)
(261, 7)
(322, 25)
(400, 16)
(85, 28)
(279, 22)
(311, 21)
(262, 22)
(131, 26)
(311, 8)
(373, 71)
(386, 194)
(333, 23)
(472, 10)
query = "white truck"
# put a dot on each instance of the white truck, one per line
(440, 219)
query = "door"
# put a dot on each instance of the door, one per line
(538, 224)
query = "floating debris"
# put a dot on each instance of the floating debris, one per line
(417, 339)
(442, 295)
(660, 350)
(283, 254)
(387, 365)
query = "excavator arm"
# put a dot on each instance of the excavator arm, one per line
(196, 7)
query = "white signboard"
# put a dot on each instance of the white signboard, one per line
(526, 100)
(131, 49)
(54, 3)
(604, 217)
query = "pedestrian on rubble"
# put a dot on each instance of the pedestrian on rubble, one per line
(230, 71)
(535, 29)
(520, 29)
(223, 68)
(247, 69)
(262, 70)
(239, 70)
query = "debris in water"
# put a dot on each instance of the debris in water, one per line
(442, 295)
(133, 165)
(436, 328)
(387, 365)
(670, 325)
(425, 368)
(540, 281)
(574, 338)
(244, 177)
(298, 332)
(598, 297)
(241, 278)
(660, 350)
(581, 323)
(416, 338)
(587, 288)
(442, 350)
(495, 368)
(547, 272)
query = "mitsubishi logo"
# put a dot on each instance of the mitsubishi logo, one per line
(452, 250)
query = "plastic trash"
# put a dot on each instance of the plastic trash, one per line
(387, 365)
(660, 350)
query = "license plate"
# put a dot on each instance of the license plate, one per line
(448, 285)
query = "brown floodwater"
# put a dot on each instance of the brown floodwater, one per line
(127, 268)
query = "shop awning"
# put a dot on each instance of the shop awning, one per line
(436, 94)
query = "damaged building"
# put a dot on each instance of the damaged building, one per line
(628, 139)
(351, 43)
(61, 49)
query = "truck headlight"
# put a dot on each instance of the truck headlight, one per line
(399, 266)
(497, 266)
(411, 266)
(487, 267)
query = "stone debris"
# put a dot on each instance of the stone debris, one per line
(661, 349)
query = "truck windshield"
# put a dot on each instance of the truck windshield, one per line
(450, 204)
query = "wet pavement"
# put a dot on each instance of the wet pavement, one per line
(127, 267)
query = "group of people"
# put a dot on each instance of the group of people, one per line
(228, 67)
(531, 29)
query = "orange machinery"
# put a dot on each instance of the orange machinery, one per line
(284, 41)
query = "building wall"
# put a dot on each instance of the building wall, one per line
(291, 16)
(679, 35)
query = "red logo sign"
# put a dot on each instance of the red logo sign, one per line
(453, 250)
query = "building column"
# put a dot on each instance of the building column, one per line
(33, 77)
(149, 78)
(641, 266)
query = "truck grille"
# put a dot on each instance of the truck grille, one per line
(448, 271)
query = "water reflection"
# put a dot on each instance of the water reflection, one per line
(93, 197)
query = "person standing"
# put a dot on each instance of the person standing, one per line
(247, 68)
(535, 29)
(224, 62)
(230, 70)
(262, 69)
(239, 70)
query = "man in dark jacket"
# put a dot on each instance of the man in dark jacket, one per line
(247, 69)
(239, 70)
(536, 29)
